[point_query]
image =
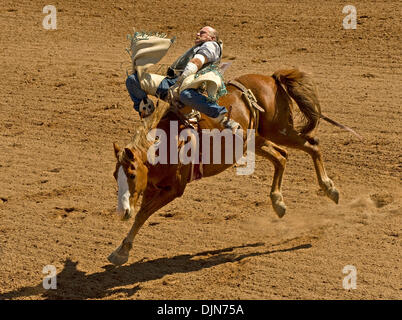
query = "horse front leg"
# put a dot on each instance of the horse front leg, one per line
(152, 202)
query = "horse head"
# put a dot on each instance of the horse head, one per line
(131, 171)
(131, 175)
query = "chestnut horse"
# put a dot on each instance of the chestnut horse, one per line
(161, 183)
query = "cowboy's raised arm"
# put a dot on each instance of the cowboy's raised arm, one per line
(208, 52)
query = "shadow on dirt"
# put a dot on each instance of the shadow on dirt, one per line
(75, 284)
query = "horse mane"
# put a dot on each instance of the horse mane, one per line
(139, 141)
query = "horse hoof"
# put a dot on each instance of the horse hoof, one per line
(278, 204)
(127, 215)
(280, 209)
(333, 194)
(120, 255)
(117, 259)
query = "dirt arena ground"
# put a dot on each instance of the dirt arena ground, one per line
(63, 103)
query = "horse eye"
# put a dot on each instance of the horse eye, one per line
(132, 176)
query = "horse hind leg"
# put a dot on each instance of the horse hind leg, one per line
(278, 158)
(324, 181)
(297, 141)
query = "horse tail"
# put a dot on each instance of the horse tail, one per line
(301, 88)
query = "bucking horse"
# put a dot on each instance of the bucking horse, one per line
(269, 113)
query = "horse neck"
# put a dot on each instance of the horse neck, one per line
(158, 172)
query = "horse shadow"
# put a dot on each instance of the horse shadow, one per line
(73, 284)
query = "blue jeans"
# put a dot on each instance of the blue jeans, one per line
(189, 97)
(197, 101)
(135, 91)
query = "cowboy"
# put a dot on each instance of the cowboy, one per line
(207, 52)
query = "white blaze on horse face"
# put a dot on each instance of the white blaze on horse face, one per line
(123, 201)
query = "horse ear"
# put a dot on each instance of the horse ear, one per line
(129, 154)
(116, 149)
